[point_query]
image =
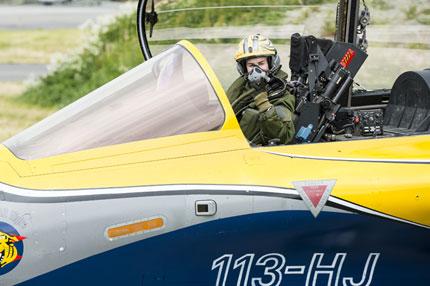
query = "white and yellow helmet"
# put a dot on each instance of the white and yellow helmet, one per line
(255, 46)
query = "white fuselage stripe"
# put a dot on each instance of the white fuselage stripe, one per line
(140, 189)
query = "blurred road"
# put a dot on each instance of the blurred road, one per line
(52, 17)
(18, 72)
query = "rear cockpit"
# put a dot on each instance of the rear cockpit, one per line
(329, 109)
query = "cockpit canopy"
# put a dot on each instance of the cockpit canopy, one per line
(167, 95)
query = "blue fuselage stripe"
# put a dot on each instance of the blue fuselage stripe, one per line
(186, 256)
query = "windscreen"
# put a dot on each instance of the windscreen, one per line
(167, 95)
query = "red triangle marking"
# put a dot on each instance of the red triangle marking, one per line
(315, 193)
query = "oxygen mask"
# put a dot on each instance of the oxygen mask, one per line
(258, 78)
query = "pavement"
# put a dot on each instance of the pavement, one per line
(19, 72)
(52, 17)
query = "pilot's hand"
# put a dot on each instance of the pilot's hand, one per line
(262, 102)
(259, 86)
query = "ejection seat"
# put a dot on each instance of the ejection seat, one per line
(408, 110)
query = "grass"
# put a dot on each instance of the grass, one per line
(380, 4)
(329, 26)
(424, 16)
(302, 16)
(412, 12)
(226, 17)
(421, 14)
(116, 51)
(418, 46)
(36, 46)
(16, 116)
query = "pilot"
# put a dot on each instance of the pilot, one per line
(259, 97)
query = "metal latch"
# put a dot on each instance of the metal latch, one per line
(205, 208)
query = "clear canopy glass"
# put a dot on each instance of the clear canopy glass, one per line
(398, 35)
(167, 95)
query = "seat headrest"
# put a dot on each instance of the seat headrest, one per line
(412, 89)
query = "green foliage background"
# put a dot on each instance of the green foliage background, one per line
(227, 17)
(118, 51)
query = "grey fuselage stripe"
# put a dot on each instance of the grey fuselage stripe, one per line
(15, 194)
(92, 197)
(360, 160)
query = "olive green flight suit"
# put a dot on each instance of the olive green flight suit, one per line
(260, 127)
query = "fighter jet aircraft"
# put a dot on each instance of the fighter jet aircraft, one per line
(149, 180)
